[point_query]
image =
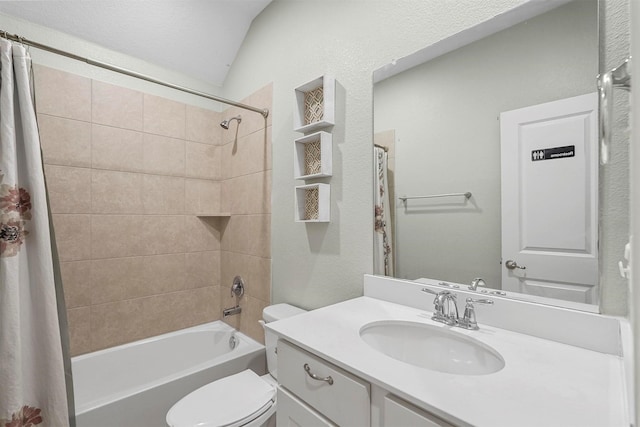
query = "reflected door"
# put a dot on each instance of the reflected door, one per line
(550, 199)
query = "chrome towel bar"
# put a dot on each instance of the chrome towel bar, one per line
(466, 195)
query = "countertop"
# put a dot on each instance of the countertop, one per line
(543, 383)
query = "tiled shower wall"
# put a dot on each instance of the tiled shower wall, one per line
(128, 175)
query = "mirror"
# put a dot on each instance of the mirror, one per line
(445, 115)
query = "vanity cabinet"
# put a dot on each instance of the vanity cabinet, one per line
(314, 392)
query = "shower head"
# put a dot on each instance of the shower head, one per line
(225, 123)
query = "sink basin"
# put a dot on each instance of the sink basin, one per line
(432, 347)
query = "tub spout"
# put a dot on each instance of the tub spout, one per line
(231, 311)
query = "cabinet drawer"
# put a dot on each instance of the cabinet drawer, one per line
(293, 412)
(345, 401)
(398, 413)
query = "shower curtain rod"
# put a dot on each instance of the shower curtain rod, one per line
(19, 39)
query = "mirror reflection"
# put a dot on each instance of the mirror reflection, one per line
(512, 120)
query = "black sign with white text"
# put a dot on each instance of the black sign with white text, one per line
(553, 153)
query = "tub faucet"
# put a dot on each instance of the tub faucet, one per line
(237, 290)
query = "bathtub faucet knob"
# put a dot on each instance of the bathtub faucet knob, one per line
(238, 287)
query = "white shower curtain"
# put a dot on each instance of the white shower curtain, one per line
(33, 388)
(382, 237)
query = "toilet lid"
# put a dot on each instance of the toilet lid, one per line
(232, 400)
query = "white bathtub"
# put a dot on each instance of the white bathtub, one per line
(136, 384)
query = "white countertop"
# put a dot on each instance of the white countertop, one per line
(543, 383)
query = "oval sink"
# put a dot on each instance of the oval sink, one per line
(432, 347)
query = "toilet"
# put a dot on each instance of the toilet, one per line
(244, 399)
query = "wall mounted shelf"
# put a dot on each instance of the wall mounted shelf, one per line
(315, 105)
(313, 203)
(312, 156)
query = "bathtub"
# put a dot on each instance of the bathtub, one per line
(136, 384)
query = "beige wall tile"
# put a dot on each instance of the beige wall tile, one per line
(226, 191)
(163, 195)
(65, 142)
(116, 279)
(164, 273)
(255, 271)
(116, 192)
(69, 189)
(116, 106)
(73, 236)
(79, 320)
(202, 161)
(248, 234)
(116, 323)
(116, 149)
(203, 125)
(201, 234)
(62, 94)
(164, 117)
(205, 305)
(163, 156)
(163, 234)
(250, 325)
(202, 269)
(250, 154)
(202, 196)
(250, 194)
(76, 281)
(166, 312)
(114, 236)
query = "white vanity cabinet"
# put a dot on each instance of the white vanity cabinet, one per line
(314, 392)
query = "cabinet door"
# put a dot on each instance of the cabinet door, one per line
(398, 413)
(294, 413)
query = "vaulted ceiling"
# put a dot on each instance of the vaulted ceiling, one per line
(199, 38)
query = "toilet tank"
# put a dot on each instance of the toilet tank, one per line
(271, 314)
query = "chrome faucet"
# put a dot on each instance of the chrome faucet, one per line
(446, 309)
(478, 281)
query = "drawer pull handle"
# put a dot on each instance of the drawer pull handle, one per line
(315, 377)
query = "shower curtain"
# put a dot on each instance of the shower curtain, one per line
(382, 237)
(33, 381)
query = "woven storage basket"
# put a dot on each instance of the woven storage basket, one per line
(313, 105)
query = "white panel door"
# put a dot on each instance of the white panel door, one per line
(550, 199)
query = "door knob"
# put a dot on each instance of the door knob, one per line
(512, 265)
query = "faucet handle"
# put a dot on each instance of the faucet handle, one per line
(429, 291)
(468, 320)
(479, 301)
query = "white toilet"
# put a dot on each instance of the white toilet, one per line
(243, 399)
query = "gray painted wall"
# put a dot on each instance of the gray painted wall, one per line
(315, 264)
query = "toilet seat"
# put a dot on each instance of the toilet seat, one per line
(232, 401)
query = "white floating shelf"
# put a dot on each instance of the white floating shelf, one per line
(312, 156)
(315, 105)
(313, 203)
